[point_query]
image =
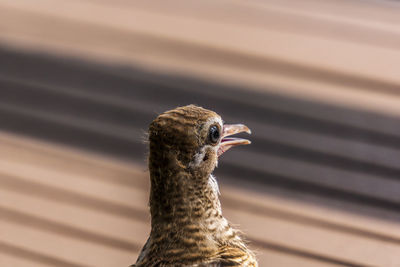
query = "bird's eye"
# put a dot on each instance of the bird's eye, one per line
(213, 134)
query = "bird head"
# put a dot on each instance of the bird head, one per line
(191, 139)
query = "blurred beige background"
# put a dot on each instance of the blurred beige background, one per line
(318, 82)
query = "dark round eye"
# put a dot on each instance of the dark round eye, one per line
(213, 134)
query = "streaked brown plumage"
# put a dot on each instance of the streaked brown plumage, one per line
(187, 226)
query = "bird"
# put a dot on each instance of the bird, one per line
(187, 225)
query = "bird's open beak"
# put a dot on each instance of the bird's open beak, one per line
(228, 142)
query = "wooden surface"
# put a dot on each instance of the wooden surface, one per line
(316, 81)
(342, 52)
(61, 207)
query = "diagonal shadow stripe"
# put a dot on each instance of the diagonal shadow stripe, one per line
(305, 220)
(289, 183)
(273, 147)
(60, 195)
(66, 230)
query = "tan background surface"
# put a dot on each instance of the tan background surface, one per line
(317, 81)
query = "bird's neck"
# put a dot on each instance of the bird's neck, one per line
(188, 213)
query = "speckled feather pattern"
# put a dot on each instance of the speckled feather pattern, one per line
(187, 226)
